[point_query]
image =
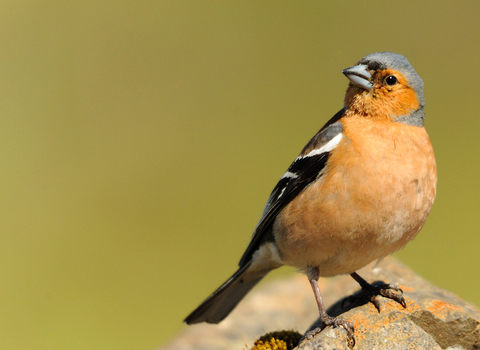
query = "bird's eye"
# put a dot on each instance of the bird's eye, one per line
(391, 80)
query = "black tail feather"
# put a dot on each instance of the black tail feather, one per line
(218, 305)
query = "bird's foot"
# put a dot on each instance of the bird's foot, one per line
(371, 291)
(335, 322)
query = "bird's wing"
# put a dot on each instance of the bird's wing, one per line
(305, 169)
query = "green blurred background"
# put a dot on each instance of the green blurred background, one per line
(140, 140)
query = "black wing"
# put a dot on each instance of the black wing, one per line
(302, 172)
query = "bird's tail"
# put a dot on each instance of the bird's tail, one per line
(218, 305)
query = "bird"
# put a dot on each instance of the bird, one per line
(359, 190)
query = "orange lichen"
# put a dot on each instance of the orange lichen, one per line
(407, 288)
(412, 306)
(441, 309)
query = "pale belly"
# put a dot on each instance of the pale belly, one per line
(357, 213)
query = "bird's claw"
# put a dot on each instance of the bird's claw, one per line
(371, 291)
(335, 322)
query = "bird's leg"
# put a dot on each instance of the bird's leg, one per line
(313, 274)
(384, 289)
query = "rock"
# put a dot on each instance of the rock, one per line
(433, 319)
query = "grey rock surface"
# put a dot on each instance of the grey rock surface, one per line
(434, 318)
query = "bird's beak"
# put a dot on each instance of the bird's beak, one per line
(359, 76)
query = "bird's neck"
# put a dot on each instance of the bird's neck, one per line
(377, 104)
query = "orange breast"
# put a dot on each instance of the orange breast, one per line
(374, 197)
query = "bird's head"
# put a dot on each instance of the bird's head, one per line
(385, 85)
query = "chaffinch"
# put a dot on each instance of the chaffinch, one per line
(360, 190)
